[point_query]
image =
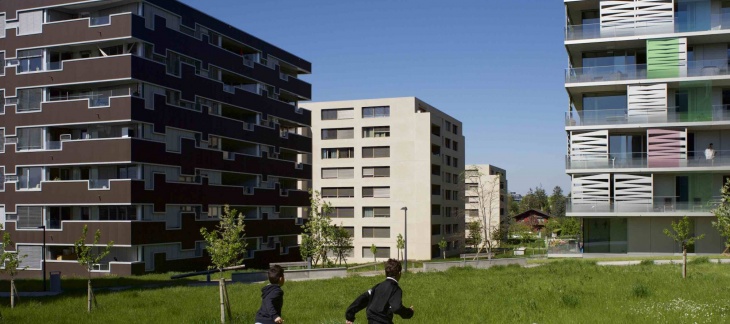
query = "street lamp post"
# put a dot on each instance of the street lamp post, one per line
(405, 241)
(43, 265)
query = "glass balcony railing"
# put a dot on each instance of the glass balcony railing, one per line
(621, 116)
(692, 159)
(99, 99)
(657, 204)
(703, 68)
(592, 31)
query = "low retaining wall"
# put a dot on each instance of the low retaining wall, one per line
(327, 273)
(480, 264)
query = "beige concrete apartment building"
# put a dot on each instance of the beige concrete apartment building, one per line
(485, 197)
(374, 157)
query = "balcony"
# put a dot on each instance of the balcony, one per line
(718, 113)
(658, 204)
(641, 160)
(595, 31)
(706, 68)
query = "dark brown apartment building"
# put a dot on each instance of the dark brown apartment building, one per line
(143, 119)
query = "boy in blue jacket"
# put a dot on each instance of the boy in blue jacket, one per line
(383, 300)
(272, 298)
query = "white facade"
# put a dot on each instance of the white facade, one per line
(373, 157)
(485, 198)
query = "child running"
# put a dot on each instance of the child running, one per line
(383, 300)
(272, 298)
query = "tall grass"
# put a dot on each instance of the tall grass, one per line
(557, 292)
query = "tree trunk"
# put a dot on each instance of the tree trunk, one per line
(89, 293)
(12, 293)
(221, 286)
(444, 252)
(684, 262)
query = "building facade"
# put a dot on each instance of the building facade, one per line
(485, 197)
(374, 157)
(648, 125)
(142, 119)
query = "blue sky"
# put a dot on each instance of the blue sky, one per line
(497, 66)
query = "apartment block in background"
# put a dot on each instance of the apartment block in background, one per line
(142, 119)
(485, 197)
(648, 125)
(374, 157)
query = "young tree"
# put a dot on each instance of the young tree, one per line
(88, 256)
(483, 195)
(400, 244)
(722, 212)
(226, 247)
(341, 243)
(682, 234)
(542, 199)
(442, 246)
(513, 207)
(317, 231)
(570, 226)
(374, 250)
(475, 234)
(11, 262)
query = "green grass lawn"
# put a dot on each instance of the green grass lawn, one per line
(556, 292)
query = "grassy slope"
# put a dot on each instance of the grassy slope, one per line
(558, 292)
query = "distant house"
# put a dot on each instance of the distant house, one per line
(533, 217)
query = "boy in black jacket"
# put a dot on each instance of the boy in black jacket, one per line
(383, 300)
(272, 298)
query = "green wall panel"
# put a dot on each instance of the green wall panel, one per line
(662, 58)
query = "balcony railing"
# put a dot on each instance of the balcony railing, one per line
(591, 31)
(637, 160)
(639, 72)
(95, 98)
(658, 204)
(621, 116)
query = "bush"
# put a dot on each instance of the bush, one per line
(640, 290)
(699, 260)
(570, 301)
(646, 262)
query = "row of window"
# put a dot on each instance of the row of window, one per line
(349, 173)
(367, 212)
(349, 133)
(349, 113)
(438, 229)
(437, 210)
(349, 152)
(349, 192)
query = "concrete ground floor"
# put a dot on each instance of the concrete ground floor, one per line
(645, 235)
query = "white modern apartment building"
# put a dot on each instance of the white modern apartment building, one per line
(648, 125)
(485, 198)
(374, 157)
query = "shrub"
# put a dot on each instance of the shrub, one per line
(570, 301)
(640, 290)
(646, 262)
(700, 260)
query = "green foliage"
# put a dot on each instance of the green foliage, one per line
(442, 245)
(551, 226)
(557, 202)
(374, 250)
(700, 260)
(534, 199)
(722, 212)
(475, 233)
(88, 255)
(341, 243)
(570, 300)
(10, 260)
(682, 233)
(640, 290)
(400, 244)
(647, 262)
(318, 231)
(570, 226)
(225, 244)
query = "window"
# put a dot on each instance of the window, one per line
(2, 178)
(376, 232)
(350, 230)
(380, 252)
(127, 172)
(335, 114)
(375, 172)
(342, 212)
(30, 60)
(455, 178)
(435, 210)
(456, 163)
(338, 153)
(456, 145)
(447, 177)
(30, 217)
(338, 173)
(447, 194)
(2, 140)
(383, 212)
(435, 130)
(435, 169)
(375, 112)
(30, 178)
(447, 229)
(455, 130)
(447, 212)
(435, 149)
(435, 190)
(338, 192)
(376, 192)
(447, 143)
(337, 133)
(455, 195)
(376, 152)
(473, 200)
(29, 99)
(472, 212)
(447, 159)
(436, 229)
(117, 213)
(455, 228)
(447, 125)
(379, 131)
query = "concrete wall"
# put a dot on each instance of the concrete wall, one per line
(646, 235)
(481, 264)
(250, 277)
